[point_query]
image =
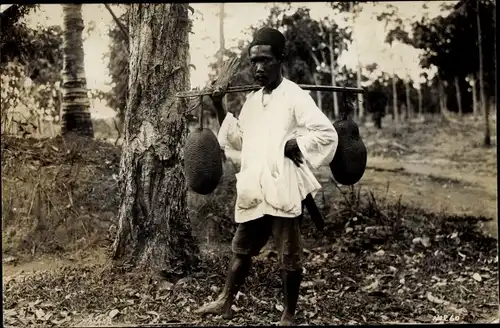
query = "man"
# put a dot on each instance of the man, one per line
(278, 127)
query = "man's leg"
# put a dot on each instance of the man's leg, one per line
(249, 239)
(286, 232)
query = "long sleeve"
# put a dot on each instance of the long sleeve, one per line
(230, 133)
(319, 141)
(231, 129)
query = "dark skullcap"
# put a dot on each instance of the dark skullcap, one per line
(271, 37)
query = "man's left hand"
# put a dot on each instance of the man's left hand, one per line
(292, 151)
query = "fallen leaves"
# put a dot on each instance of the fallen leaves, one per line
(477, 277)
(392, 279)
(113, 313)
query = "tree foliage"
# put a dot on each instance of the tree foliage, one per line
(118, 66)
(13, 30)
(31, 62)
(450, 43)
(306, 54)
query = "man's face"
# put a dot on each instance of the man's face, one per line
(265, 67)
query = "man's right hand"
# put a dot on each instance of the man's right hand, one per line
(217, 96)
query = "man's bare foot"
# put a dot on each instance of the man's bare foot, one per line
(287, 319)
(221, 305)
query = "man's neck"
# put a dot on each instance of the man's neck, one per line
(271, 86)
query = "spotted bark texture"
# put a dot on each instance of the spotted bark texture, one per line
(154, 230)
(75, 104)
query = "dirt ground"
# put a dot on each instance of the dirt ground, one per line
(429, 258)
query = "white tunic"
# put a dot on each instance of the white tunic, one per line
(268, 182)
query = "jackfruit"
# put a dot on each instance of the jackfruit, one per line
(349, 163)
(202, 161)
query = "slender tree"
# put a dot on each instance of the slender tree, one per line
(487, 136)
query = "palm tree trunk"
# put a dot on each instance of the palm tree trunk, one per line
(487, 136)
(154, 230)
(75, 106)
(459, 96)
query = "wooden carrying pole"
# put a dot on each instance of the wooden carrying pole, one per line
(247, 88)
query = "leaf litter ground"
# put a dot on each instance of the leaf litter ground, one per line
(373, 264)
(403, 266)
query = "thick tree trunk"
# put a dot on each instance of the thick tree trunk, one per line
(486, 109)
(336, 112)
(154, 229)
(75, 105)
(459, 96)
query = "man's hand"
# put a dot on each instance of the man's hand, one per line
(292, 151)
(217, 96)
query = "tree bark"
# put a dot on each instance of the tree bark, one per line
(154, 230)
(459, 96)
(487, 136)
(75, 104)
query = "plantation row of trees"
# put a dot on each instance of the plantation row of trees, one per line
(450, 43)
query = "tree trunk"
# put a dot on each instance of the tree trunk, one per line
(361, 104)
(222, 42)
(154, 230)
(316, 79)
(318, 93)
(495, 48)
(474, 96)
(336, 111)
(487, 136)
(442, 101)
(75, 105)
(459, 96)
(420, 111)
(409, 109)
(395, 99)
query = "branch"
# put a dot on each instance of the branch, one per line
(124, 31)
